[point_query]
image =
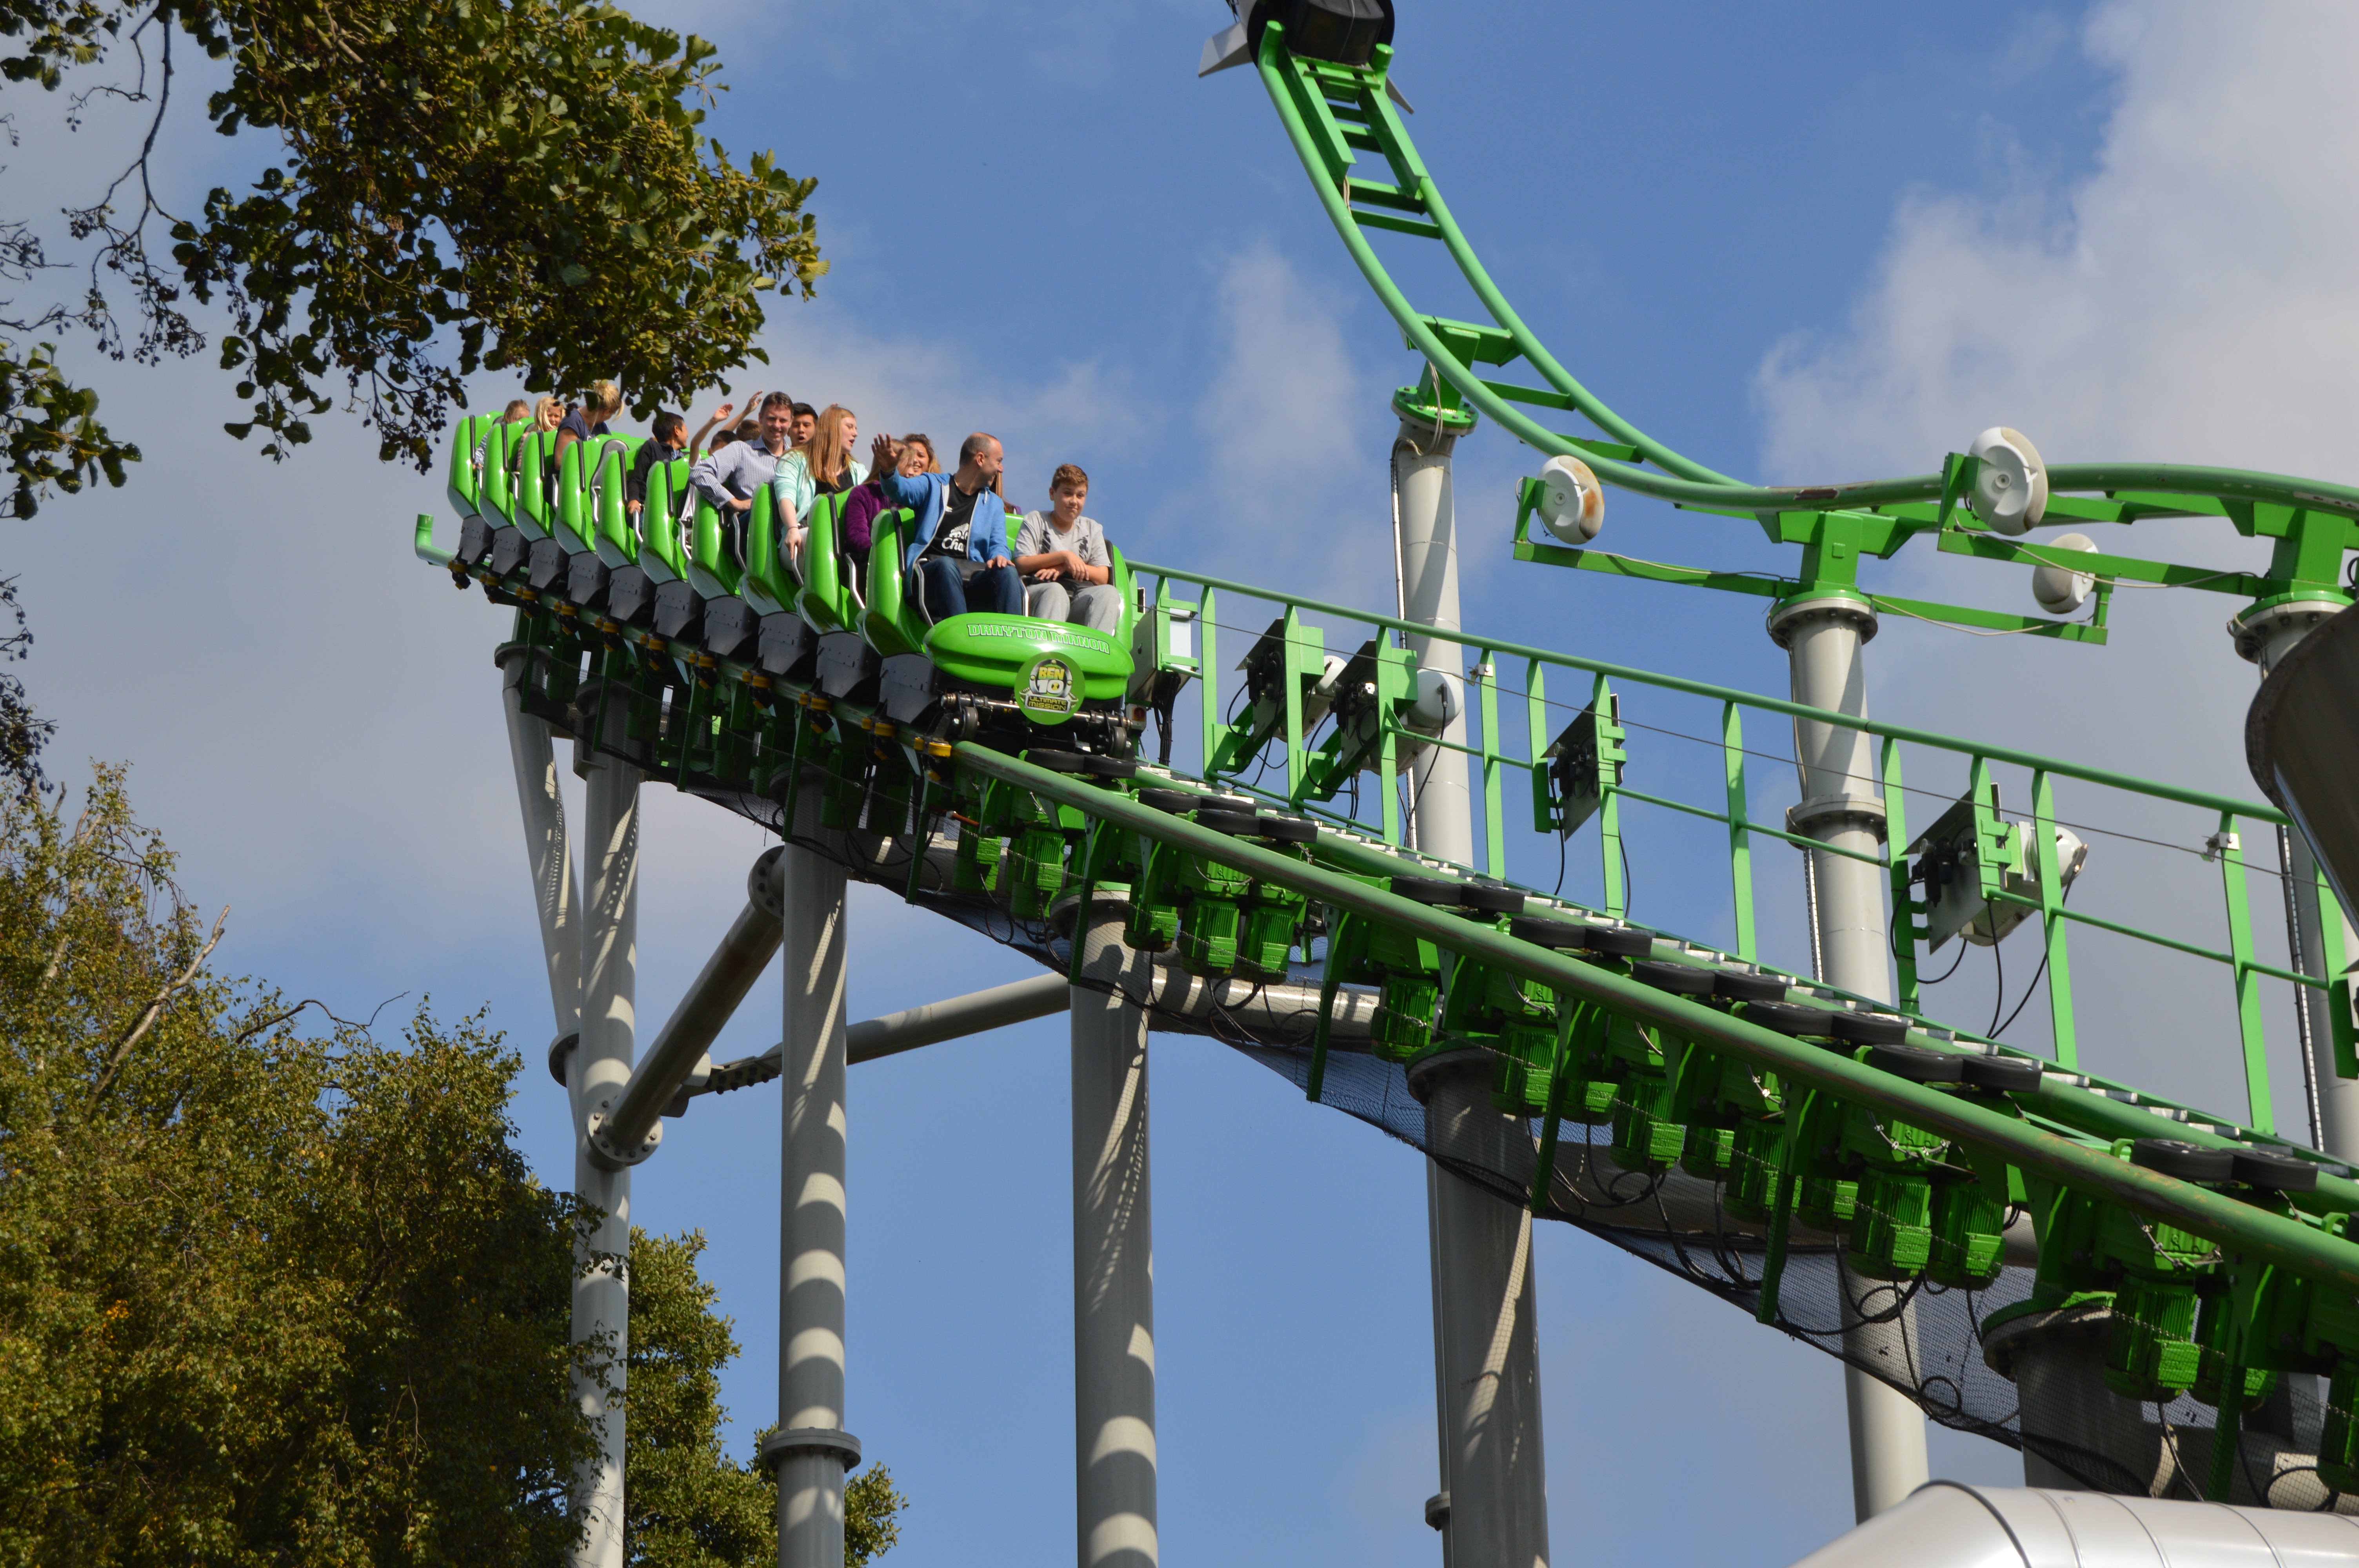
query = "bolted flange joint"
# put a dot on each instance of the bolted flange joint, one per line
(792, 1440)
(1824, 813)
(1789, 615)
(604, 1153)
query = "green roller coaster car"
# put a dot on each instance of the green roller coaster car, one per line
(695, 587)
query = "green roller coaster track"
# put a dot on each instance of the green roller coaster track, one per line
(1332, 112)
(763, 676)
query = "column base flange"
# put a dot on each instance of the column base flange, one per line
(804, 1439)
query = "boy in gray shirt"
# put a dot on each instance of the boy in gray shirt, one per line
(1062, 557)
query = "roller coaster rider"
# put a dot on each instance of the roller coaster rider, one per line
(958, 558)
(730, 477)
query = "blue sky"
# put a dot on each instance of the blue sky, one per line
(1818, 244)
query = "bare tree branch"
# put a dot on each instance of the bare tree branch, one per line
(155, 1009)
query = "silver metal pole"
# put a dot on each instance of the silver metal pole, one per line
(626, 1130)
(1840, 807)
(1442, 811)
(1483, 1249)
(811, 1449)
(1488, 1373)
(546, 849)
(602, 1297)
(2270, 638)
(1114, 1255)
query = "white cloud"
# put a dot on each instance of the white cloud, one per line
(2184, 299)
(1286, 424)
(2187, 299)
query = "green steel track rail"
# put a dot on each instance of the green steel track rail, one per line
(1332, 112)
(2296, 1243)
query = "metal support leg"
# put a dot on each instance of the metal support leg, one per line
(546, 848)
(1487, 1358)
(1114, 1256)
(1483, 1272)
(602, 1299)
(1840, 807)
(810, 1450)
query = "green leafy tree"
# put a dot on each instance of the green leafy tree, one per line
(687, 1504)
(263, 1297)
(511, 185)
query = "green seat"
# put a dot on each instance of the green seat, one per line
(710, 568)
(821, 597)
(534, 507)
(764, 584)
(464, 484)
(606, 522)
(496, 498)
(658, 553)
(889, 622)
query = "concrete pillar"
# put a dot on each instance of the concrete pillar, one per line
(599, 1066)
(810, 1450)
(1482, 1275)
(1487, 1358)
(1114, 1256)
(2271, 637)
(1840, 807)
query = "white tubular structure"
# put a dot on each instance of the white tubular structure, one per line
(2269, 638)
(1114, 1256)
(810, 1450)
(601, 1064)
(1840, 807)
(626, 1130)
(1497, 1515)
(1482, 1267)
(1948, 1525)
(546, 845)
(1015, 1002)
(1426, 518)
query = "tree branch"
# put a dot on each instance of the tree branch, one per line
(155, 1010)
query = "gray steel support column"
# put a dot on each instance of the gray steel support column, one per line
(1483, 1273)
(1489, 1432)
(546, 848)
(810, 1450)
(1840, 807)
(601, 1066)
(2338, 1098)
(1114, 1257)
(1442, 821)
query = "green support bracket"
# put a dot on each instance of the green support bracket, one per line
(2228, 849)
(1495, 825)
(1739, 838)
(1610, 758)
(2051, 921)
(1905, 929)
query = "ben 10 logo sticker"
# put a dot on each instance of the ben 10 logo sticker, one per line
(1049, 689)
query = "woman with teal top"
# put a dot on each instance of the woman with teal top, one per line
(821, 466)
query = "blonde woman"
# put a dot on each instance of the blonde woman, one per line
(548, 414)
(822, 465)
(604, 401)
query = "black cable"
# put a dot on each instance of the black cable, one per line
(1624, 845)
(1998, 993)
(2034, 986)
(1560, 840)
(1962, 946)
